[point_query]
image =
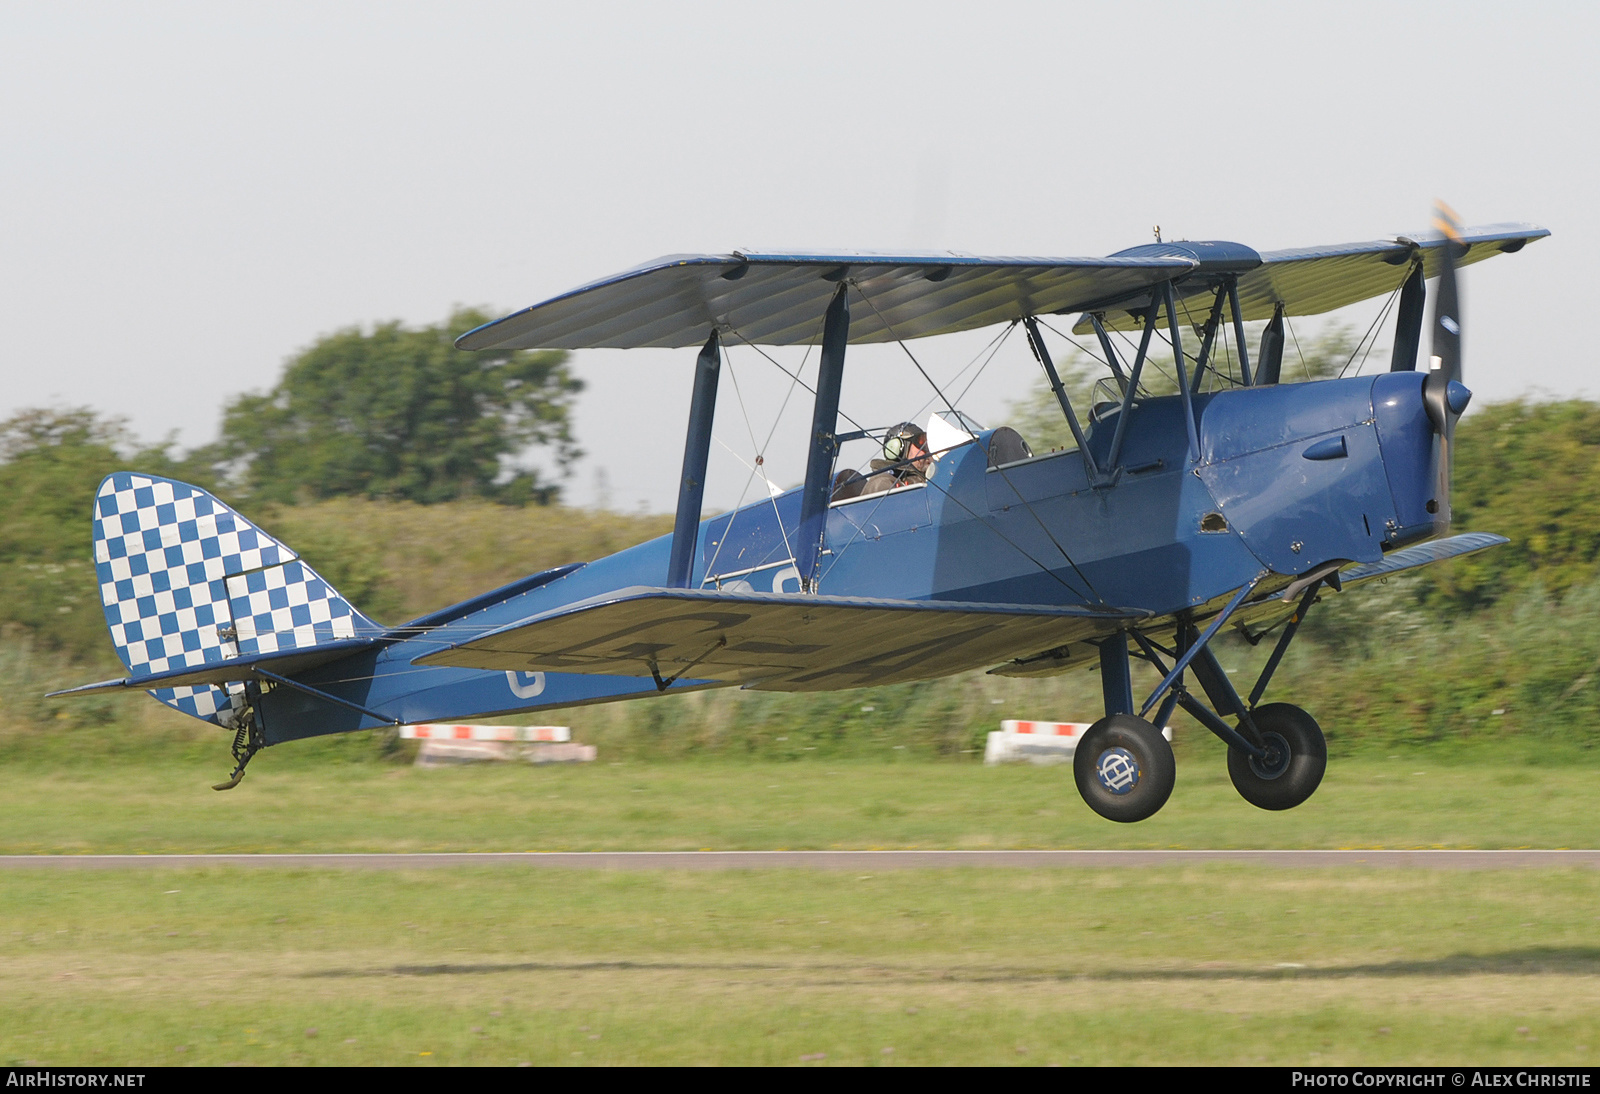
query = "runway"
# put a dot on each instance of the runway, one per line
(826, 860)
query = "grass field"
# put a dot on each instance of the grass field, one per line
(301, 804)
(1212, 964)
(1208, 965)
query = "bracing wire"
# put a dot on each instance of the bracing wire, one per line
(1162, 337)
(444, 634)
(759, 450)
(759, 465)
(1188, 318)
(1092, 354)
(1372, 334)
(991, 349)
(1305, 368)
(905, 348)
(994, 350)
(792, 375)
(1227, 349)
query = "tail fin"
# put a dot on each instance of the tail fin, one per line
(187, 582)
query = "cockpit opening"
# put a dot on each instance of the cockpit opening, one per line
(1006, 445)
(907, 455)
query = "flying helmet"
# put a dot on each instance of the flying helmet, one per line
(897, 443)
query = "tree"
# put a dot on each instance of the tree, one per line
(1531, 472)
(401, 413)
(51, 462)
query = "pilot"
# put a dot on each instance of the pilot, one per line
(905, 460)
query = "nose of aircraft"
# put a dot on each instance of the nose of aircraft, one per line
(1407, 438)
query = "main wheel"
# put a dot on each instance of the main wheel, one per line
(1290, 772)
(1124, 768)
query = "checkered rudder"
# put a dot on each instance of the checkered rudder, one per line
(187, 582)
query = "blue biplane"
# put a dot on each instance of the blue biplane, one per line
(1229, 503)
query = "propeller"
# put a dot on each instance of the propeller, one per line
(1443, 392)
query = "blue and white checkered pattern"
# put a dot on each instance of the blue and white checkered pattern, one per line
(187, 582)
(207, 702)
(289, 607)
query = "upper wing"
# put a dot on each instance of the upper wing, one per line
(774, 641)
(1311, 280)
(779, 300)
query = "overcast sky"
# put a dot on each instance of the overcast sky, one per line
(192, 193)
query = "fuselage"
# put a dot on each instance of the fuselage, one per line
(1282, 478)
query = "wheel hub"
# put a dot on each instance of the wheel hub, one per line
(1275, 760)
(1117, 770)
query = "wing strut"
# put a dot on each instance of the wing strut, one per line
(1132, 389)
(1109, 350)
(1269, 364)
(1408, 324)
(1238, 330)
(1188, 655)
(1042, 355)
(824, 440)
(1183, 373)
(696, 451)
(1208, 336)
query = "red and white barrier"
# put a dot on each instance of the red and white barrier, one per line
(444, 745)
(1044, 729)
(1037, 742)
(431, 732)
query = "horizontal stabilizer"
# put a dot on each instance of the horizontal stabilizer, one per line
(775, 641)
(236, 670)
(1423, 554)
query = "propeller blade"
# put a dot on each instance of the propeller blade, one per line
(1447, 309)
(1444, 464)
(1442, 392)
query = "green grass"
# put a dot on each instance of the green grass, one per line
(312, 802)
(1172, 965)
(1210, 964)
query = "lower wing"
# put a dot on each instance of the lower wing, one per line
(775, 641)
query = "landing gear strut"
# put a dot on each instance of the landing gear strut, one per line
(1291, 770)
(1276, 753)
(248, 737)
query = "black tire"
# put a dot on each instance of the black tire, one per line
(1124, 768)
(1279, 782)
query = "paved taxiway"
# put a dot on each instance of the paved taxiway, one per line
(824, 860)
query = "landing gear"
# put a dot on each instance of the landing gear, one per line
(247, 736)
(1290, 771)
(1124, 768)
(1276, 753)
